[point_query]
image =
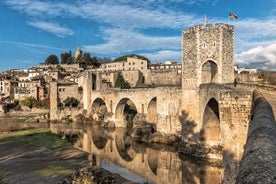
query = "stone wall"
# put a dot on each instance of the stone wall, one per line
(65, 91)
(258, 164)
(202, 44)
(264, 88)
(163, 77)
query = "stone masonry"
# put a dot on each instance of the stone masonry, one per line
(258, 164)
(206, 110)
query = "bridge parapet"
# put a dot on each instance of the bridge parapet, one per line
(259, 158)
(264, 88)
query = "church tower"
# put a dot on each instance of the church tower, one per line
(78, 53)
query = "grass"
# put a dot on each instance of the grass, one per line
(54, 169)
(36, 138)
(39, 138)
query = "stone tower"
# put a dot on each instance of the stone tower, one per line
(78, 53)
(207, 55)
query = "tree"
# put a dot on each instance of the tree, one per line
(124, 58)
(51, 60)
(45, 103)
(29, 101)
(121, 83)
(66, 58)
(71, 102)
(86, 58)
(78, 59)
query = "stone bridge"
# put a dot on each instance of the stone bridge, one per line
(161, 106)
(218, 115)
(205, 111)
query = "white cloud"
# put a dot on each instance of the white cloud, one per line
(35, 8)
(250, 33)
(25, 44)
(125, 20)
(120, 41)
(260, 57)
(117, 15)
(52, 28)
(164, 55)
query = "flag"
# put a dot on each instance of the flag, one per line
(233, 15)
(206, 20)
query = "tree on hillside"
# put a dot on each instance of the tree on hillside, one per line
(121, 83)
(78, 59)
(66, 58)
(51, 60)
(124, 58)
(86, 58)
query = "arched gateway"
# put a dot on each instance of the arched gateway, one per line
(210, 132)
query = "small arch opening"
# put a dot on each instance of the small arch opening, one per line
(152, 111)
(209, 72)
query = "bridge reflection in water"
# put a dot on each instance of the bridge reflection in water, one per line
(157, 163)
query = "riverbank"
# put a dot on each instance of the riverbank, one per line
(38, 156)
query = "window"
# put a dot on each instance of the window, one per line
(214, 44)
(141, 62)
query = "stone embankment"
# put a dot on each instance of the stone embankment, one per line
(258, 164)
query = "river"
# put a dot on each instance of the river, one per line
(114, 150)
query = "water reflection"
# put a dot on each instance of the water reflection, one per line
(156, 163)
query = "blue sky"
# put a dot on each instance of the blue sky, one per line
(31, 30)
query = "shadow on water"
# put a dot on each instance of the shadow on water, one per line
(193, 149)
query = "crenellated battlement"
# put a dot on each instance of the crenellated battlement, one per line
(201, 27)
(207, 55)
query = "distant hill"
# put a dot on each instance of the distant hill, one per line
(124, 58)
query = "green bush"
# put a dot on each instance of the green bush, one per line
(29, 101)
(71, 102)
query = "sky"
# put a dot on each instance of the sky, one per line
(31, 30)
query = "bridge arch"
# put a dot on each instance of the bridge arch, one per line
(125, 111)
(209, 72)
(152, 110)
(123, 145)
(99, 109)
(152, 160)
(210, 132)
(98, 138)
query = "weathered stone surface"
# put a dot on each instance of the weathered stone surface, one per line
(258, 164)
(146, 132)
(92, 175)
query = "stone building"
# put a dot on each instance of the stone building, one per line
(130, 64)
